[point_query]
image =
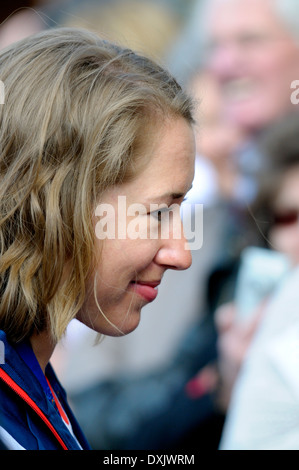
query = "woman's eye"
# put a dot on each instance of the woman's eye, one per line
(158, 214)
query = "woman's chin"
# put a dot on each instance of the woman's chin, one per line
(117, 329)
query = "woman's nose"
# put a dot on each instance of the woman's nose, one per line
(174, 254)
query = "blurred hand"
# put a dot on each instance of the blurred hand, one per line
(234, 338)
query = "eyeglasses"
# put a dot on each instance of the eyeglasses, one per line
(285, 218)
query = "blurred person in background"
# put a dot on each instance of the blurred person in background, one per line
(251, 48)
(258, 363)
(216, 140)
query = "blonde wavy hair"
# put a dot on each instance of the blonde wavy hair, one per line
(76, 109)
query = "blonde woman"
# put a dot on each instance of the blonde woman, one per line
(85, 125)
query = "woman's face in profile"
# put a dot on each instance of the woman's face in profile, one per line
(134, 254)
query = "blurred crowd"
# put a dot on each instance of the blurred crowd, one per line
(197, 373)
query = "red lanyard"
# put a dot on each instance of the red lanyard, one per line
(14, 386)
(60, 409)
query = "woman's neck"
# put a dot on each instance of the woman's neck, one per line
(43, 347)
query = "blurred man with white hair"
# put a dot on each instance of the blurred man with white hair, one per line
(251, 48)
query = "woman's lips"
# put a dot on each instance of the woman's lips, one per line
(147, 290)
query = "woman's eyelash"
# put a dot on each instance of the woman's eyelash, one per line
(158, 213)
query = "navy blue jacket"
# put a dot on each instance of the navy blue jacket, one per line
(28, 412)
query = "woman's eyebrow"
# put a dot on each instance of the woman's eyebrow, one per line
(169, 196)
